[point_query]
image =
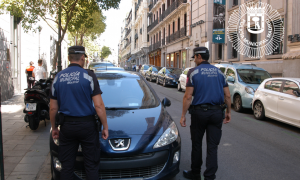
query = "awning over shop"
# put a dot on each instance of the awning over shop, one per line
(129, 59)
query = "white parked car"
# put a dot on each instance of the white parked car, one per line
(279, 99)
(182, 80)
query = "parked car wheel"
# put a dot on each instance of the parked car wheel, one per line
(151, 79)
(157, 82)
(164, 83)
(179, 87)
(259, 110)
(237, 103)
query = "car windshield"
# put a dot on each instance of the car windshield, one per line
(173, 71)
(121, 92)
(252, 76)
(101, 65)
(156, 69)
(146, 67)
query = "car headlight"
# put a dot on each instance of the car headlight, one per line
(169, 136)
(249, 90)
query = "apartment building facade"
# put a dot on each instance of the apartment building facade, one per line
(139, 44)
(176, 27)
(125, 44)
(278, 63)
(168, 31)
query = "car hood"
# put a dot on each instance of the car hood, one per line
(175, 76)
(254, 86)
(137, 122)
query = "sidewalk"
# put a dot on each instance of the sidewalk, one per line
(26, 152)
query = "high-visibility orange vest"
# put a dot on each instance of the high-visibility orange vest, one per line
(29, 70)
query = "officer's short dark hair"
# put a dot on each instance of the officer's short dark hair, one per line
(75, 57)
(205, 56)
(40, 61)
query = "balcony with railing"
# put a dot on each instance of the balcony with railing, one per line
(155, 46)
(128, 32)
(152, 25)
(167, 12)
(176, 35)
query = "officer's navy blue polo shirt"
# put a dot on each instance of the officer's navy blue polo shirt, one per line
(208, 82)
(73, 88)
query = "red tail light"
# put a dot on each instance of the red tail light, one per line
(29, 112)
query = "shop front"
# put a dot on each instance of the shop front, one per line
(155, 58)
(176, 59)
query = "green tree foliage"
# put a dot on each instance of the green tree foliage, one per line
(105, 52)
(32, 11)
(92, 26)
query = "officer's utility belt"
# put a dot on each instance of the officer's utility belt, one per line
(206, 106)
(79, 119)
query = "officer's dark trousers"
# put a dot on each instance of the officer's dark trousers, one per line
(211, 122)
(70, 135)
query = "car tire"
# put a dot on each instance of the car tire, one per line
(150, 79)
(157, 81)
(259, 110)
(164, 83)
(179, 87)
(237, 103)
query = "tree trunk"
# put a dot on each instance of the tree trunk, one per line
(56, 50)
(81, 40)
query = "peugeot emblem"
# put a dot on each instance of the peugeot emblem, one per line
(119, 144)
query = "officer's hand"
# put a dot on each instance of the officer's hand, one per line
(227, 118)
(104, 134)
(182, 121)
(55, 133)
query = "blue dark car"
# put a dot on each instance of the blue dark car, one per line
(144, 142)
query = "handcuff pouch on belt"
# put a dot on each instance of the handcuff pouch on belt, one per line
(59, 119)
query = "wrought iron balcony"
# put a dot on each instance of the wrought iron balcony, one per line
(150, 7)
(152, 25)
(183, 32)
(173, 6)
(168, 39)
(127, 32)
(155, 46)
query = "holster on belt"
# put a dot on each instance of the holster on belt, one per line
(59, 119)
(98, 123)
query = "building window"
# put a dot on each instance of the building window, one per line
(219, 51)
(234, 38)
(279, 48)
(235, 3)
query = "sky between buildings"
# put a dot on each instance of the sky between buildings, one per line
(112, 34)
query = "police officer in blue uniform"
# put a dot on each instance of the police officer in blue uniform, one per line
(75, 100)
(208, 85)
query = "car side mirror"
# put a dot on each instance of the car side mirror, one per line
(297, 93)
(230, 79)
(166, 102)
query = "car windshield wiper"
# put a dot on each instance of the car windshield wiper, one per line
(119, 108)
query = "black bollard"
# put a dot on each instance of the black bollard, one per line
(1, 145)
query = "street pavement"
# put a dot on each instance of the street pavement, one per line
(26, 152)
(249, 149)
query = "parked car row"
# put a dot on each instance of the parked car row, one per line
(250, 87)
(167, 76)
(253, 87)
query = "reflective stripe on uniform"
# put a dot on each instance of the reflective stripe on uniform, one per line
(89, 78)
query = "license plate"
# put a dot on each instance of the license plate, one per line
(30, 107)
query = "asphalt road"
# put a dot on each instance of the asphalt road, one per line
(249, 149)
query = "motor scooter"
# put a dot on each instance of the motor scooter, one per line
(37, 102)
